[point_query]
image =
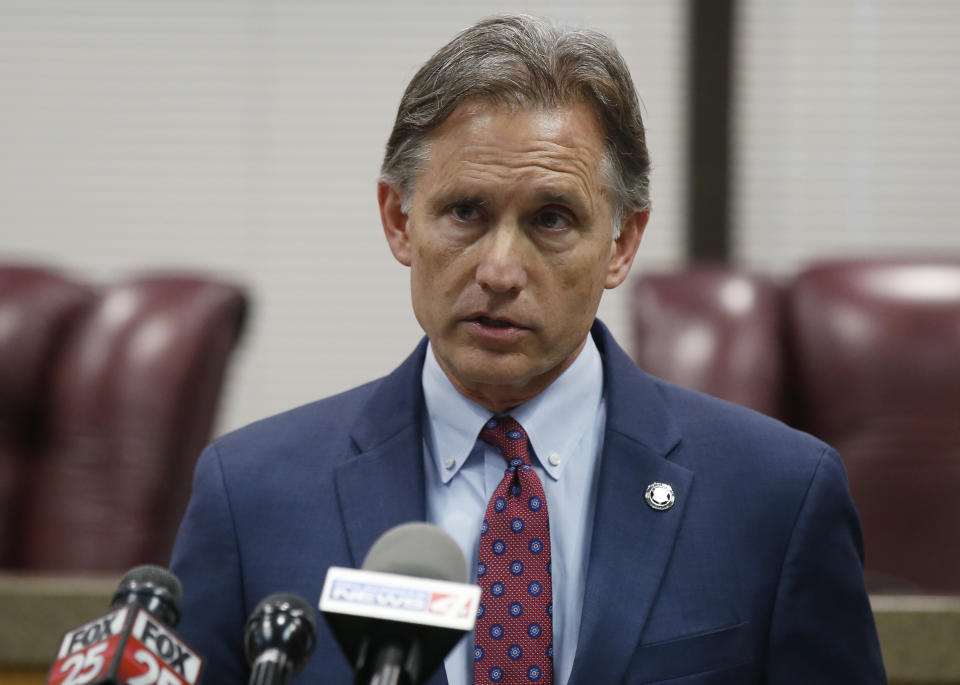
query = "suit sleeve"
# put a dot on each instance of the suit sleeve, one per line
(207, 560)
(822, 628)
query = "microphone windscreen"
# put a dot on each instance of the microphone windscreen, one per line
(417, 549)
(288, 603)
(284, 623)
(156, 575)
(154, 588)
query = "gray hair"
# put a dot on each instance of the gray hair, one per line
(520, 61)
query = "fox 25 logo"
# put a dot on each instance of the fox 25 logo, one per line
(86, 651)
(155, 656)
(151, 655)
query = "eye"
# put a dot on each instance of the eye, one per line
(465, 211)
(552, 220)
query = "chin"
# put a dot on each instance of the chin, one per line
(505, 373)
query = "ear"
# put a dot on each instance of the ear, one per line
(624, 247)
(394, 221)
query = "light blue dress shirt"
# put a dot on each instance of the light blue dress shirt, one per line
(565, 425)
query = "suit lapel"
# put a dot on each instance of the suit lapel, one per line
(632, 542)
(383, 485)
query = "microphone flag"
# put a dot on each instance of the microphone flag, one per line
(128, 646)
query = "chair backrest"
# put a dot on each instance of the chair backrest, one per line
(128, 400)
(38, 308)
(877, 347)
(713, 329)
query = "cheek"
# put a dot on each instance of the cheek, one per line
(439, 266)
(580, 280)
(424, 262)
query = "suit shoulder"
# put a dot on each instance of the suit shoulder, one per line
(741, 456)
(712, 427)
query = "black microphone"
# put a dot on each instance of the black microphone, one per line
(134, 643)
(279, 638)
(155, 589)
(398, 617)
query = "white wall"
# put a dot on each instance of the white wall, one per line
(244, 137)
(847, 129)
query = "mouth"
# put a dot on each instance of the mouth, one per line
(493, 321)
(488, 329)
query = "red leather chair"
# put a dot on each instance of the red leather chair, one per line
(877, 345)
(122, 403)
(714, 329)
(37, 311)
(868, 360)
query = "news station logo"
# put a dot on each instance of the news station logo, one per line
(140, 665)
(405, 599)
(127, 646)
(85, 652)
(363, 595)
(457, 605)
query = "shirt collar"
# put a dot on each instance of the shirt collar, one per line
(555, 420)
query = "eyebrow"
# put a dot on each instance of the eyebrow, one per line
(543, 196)
(444, 199)
(553, 196)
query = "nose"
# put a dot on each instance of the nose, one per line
(501, 268)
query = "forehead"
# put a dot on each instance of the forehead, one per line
(481, 143)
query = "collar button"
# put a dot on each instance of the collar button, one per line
(554, 459)
(448, 463)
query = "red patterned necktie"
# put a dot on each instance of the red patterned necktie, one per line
(514, 634)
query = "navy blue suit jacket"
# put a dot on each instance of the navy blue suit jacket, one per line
(754, 576)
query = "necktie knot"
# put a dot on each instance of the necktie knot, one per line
(507, 434)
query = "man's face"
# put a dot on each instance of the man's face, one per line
(509, 238)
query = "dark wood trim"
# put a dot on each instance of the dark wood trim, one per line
(709, 81)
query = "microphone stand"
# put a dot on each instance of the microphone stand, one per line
(395, 662)
(270, 668)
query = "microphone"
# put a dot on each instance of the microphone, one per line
(155, 589)
(134, 644)
(279, 638)
(398, 616)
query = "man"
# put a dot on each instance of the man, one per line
(637, 532)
